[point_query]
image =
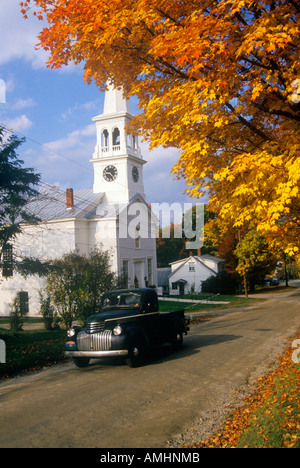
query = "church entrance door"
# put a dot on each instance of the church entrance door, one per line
(139, 274)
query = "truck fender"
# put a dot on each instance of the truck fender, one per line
(136, 335)
(176, 333)
(178, 324)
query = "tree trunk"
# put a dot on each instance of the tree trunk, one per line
(245, 286)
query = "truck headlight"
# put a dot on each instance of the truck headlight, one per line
(71, 332)
(117, 330)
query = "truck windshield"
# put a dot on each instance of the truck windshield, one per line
(122, 300)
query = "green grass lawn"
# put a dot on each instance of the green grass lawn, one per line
(233, 301)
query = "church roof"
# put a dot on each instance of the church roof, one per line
(51, 204)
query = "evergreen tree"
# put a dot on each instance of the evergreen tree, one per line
(17, 184)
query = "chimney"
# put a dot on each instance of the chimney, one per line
(69, 199)
(199, 252)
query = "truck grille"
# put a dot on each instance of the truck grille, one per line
(94, 342)
(94, 327)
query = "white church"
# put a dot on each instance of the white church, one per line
(113, 215)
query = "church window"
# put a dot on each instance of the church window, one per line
(24, 302)
(116, 138)
(105, 141)
(137, 240)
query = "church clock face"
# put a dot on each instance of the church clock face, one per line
(135, 174)
(110, 173)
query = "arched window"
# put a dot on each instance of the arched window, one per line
(105, 141)
(116, 138)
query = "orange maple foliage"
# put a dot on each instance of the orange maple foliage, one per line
(219, 80)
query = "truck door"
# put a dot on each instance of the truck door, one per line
(151, 315)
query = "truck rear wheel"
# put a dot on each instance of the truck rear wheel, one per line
(81, 361)
(135, 356)
(177, 340)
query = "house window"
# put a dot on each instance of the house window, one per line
(7, 261)
(191, 268)
(149, 264)
(24, 302)
(174, 285)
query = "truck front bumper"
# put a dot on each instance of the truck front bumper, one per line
(97, 354)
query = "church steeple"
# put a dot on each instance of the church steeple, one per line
(114, 102)
(117, 159)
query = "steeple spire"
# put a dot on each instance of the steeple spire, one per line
(115, 103)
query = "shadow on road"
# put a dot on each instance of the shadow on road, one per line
(165, 353)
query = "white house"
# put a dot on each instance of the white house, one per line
(188, 274)
(113, 214)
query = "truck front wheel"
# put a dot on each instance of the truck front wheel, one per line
(135, 356)
(81, 361)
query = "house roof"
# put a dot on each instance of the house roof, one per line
(200, 259)
(210, 257)
(50, 204)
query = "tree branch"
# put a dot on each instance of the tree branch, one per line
(247, 123)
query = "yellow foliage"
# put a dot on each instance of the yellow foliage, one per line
(217, 80)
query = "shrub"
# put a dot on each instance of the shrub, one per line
(31, 350)
(222, 283)
(18, 312)
(48, 313)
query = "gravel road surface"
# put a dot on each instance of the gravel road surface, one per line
(173, 400)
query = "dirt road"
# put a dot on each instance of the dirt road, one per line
(175, 398)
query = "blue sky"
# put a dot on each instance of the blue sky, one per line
(53, 110)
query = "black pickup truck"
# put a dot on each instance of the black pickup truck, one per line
(128, 323)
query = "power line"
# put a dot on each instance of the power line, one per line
(111, 212)
(88, 168)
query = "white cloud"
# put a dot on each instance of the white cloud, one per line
(23, 104)
(72, 140)
(65, 160)
(19, 36)
(72, 111)
(159, 181)
(18, 124)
